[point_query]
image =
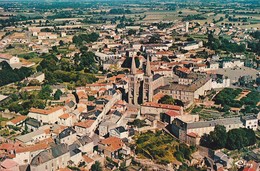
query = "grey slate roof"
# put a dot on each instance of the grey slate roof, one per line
(66, 132)
(202, 124)
(49, 154)
(28, 137)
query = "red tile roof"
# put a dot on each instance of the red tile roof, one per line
(192, 134)
(32, 148)
(87, 159)
(164, 106)
(172, 113)
(64, 116)
(18, 119)
(85, 124)
(45, 111)
(9, 163)
(112, 143)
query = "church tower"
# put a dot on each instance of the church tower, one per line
(147, 83)
(134, 84)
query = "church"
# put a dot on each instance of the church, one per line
(142, 86)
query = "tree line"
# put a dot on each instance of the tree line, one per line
(232, 140)
(9, 75)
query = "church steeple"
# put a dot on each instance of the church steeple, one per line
(148, 67)
(133, 66)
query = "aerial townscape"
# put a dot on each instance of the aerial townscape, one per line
(126, 85)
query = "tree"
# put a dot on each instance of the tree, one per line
(88, 38)
(218, 137)
(57, 94)
(61, 43)
(155, 38)
(96, 166)
(167, 100)
(15, 107)
(131, 32)
(45, 92)
(54, 48)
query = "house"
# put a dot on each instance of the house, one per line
(9, 165)
(67, 119)
(223, 159)
(86, 144)
(37, 76)
(89, 161)
(33, 137)
(47, 35)
(67, 136)
(192, 45)
(157, 109)
(8, 149)
(75, 154)
(119, 132)
(250, 122)
(49, 116)
(25, 154)
(105, 127)
(32, 124)
(9, 59)
(251, 166)
(53, 158)
(17, 121)
(231, 64)
(106, 56)
(85, 127)
(169, 116)
(110, 147)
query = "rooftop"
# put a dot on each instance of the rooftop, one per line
(159, 105)
(45, 111)
(85, 124)
(203, 124)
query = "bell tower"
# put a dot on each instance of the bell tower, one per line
(133, 84)
(147, 83)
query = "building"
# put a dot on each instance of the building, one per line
(37, 76)
(141, 88)
(13, 61)
(250, 122)
(9, 59)
(223, 159)
(85, 127)
(67, 136)
(192, 131)
(49, 116)
(51, 159)
(187, 27)
(231, 64)
(157, 108)
(9, 165)
(110, 147)
(33, 137)
(119, 132)
(106, 56)
(17, 121)
(25, 154)
(187, 90)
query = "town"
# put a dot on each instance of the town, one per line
(129, 86)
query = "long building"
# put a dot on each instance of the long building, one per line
(191, 132)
